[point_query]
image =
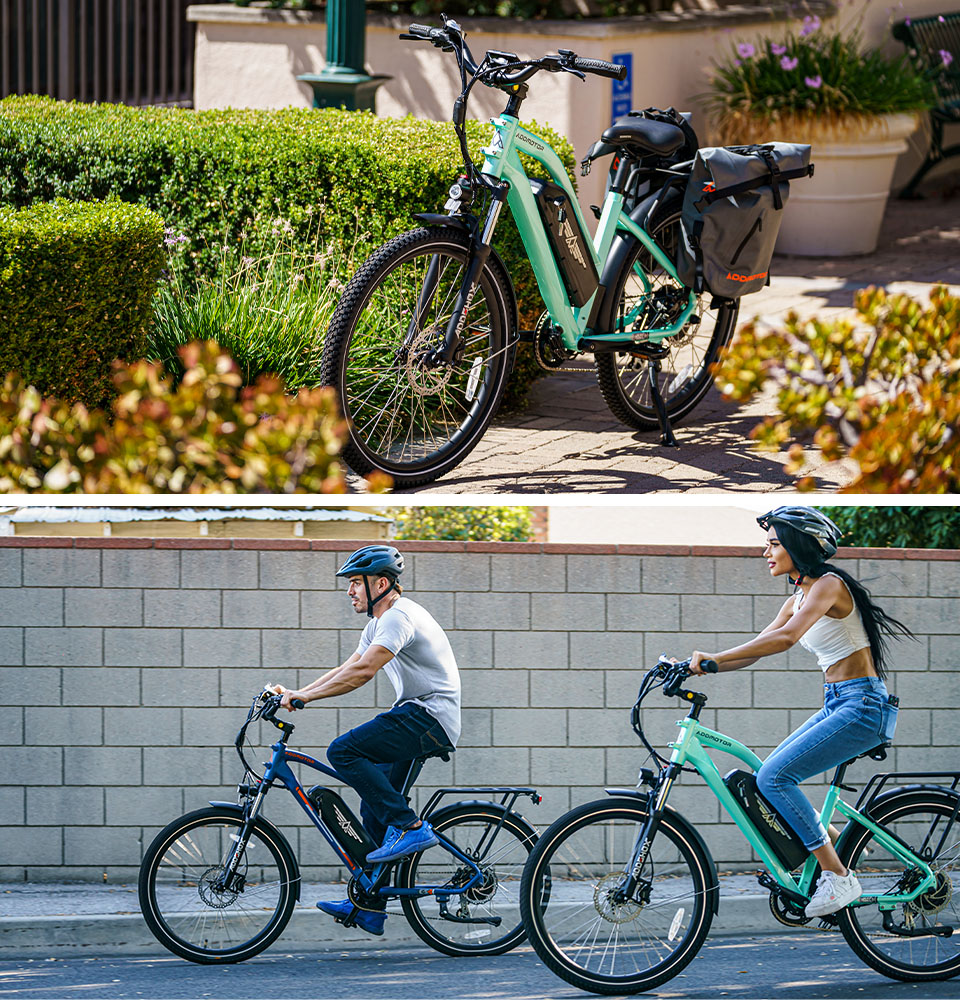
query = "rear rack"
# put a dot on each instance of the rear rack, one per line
(873, 787)
(509, 795)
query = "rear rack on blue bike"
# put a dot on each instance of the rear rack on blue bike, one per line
(509, 795)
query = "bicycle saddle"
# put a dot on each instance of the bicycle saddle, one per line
(641, 135)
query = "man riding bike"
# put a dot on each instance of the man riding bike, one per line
(404, 640)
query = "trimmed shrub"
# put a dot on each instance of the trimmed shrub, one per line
(207, 435)
(883, 390)
(76, 284)
(247, 178)
(466, 524)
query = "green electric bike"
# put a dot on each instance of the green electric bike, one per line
(424, 338)
(619, 894)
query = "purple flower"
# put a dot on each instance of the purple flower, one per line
(813, 81)
(946, 57)
(810, 25)
(789, 64)
(171, 238)
(737, 63)
(907, 21)
(746, 51)
(940, 19)
(777, 50)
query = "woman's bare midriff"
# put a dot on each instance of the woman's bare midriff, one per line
(857, 664)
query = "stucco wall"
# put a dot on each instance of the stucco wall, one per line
(127, 665)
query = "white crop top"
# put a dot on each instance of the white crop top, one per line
(833, 639)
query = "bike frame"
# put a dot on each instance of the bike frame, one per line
(691, 748)
(502, 162)
(278, 770)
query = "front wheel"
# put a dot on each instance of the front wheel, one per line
(411, 415)
(582, 923)
(194, 911)
(484, 920)
(649, 296)
(927, 823)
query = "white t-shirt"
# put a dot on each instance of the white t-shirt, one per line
(423, 669)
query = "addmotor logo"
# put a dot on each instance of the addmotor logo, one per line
(745, 277)
(573, 245)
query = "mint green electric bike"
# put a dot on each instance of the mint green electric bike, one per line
(425, 335)
(618, 895)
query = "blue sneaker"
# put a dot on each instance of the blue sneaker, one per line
(399, 843)
(371, 921)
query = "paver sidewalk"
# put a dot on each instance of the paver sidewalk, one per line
(567, 441)
(60, 920)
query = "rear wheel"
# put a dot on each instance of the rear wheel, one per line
(923, 822)
(685, 376)
(578, 917)
(199, 915)
(498, 842)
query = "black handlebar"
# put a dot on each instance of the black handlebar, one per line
(600, 68)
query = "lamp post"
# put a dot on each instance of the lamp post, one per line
(343, 82)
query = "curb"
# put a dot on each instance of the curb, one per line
(127, 934)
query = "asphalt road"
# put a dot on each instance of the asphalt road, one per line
(784, 967)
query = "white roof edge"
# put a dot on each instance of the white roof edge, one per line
(87, 515)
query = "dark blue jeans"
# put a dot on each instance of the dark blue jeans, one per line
(375, 759)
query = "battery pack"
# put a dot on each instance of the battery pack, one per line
(571, 247)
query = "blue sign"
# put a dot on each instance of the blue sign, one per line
(622, 101)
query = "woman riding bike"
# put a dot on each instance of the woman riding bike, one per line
(831, 615)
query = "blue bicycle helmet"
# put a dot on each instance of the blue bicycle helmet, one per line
(374, 560)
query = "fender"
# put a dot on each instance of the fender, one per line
(494, 260)
(893, 795)
(651, 208)
(631, 796)
(261, 821)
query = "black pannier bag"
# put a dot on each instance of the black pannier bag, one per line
(782, 838)
(571, 247)
(732, 210)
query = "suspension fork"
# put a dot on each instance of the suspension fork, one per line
(478, 259)
(240, 840)
(656, 801)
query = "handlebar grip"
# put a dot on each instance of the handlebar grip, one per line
(710, 666)
(297, 703)
(422, 31)
(600, 68)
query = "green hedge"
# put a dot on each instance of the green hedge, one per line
(244, 179)
(76, 284)
(247, 177)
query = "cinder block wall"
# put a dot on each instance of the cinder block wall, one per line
(127, 666)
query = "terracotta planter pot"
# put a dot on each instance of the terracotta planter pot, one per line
(838, 211)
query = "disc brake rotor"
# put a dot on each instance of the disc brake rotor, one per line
(212, 896)
(614, 911)
(933, 900)
(424, 379)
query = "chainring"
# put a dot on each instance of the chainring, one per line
(548, 349)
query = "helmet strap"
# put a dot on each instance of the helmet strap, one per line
(371, 600)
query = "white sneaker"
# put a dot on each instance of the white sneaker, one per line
(833, 893)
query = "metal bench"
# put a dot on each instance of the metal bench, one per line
(926, 38)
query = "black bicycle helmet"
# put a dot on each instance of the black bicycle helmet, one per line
(374, 560)
(809, 537)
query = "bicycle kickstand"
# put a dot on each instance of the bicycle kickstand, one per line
(666, 431)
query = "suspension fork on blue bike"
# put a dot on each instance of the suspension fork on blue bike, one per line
(228, 881)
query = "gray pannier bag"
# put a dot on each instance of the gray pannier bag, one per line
(732, 209)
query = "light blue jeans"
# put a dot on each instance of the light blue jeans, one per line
(855, 717)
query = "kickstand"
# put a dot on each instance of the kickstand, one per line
(666, 431)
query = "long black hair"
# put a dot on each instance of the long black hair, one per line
(807, 557)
